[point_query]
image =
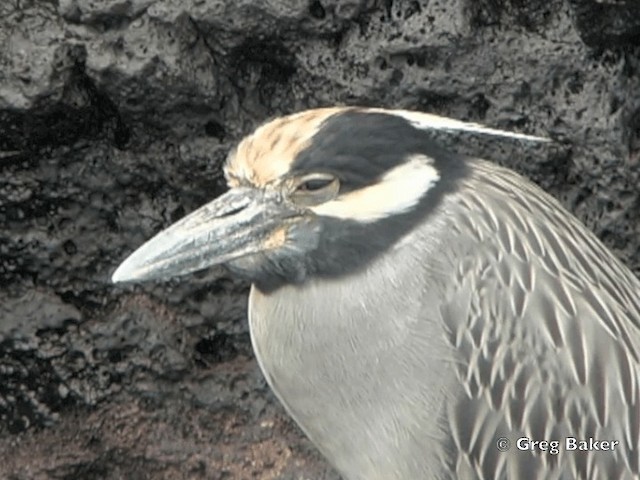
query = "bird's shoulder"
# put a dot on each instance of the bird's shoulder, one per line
(546, 324)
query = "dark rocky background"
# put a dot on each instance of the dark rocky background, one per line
(115, 116)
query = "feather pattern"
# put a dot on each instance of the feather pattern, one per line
(525, 325)
(572, 332)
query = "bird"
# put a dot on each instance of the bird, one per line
(420, 313)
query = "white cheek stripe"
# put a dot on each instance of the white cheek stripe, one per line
(397, 191)
(427, 121)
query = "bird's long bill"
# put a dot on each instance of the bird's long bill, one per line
(233, 225)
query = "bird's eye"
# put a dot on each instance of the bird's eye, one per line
(315, 184)
(315, 189)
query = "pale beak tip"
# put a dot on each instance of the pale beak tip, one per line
(123, 274)
(118, 276)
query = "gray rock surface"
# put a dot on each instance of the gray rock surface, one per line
(115, 117)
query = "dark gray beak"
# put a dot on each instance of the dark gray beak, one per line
(233, 225)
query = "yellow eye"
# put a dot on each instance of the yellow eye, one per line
(315, 189)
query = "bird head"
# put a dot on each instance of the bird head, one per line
(320, 192)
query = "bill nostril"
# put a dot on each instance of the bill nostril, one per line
(233, 211)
